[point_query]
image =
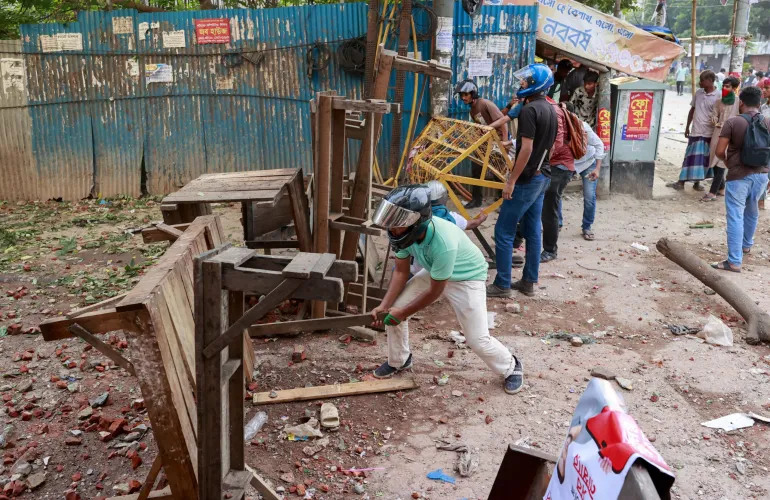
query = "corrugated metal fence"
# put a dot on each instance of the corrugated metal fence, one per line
(91, 107)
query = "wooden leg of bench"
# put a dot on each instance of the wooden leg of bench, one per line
(164, 494)
(638, 484)
(103, 348)
(261, 485)
(149, 481)
(523, 474)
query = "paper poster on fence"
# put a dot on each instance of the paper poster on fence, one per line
(602, 444)
(444, 34)
(476, 49)
(12, 74)
(122, 25)
(173, 39)
(499, 44)
(70, 41)
(479, 67)
(158, 73)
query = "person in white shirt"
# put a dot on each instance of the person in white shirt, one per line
(589, 168)
(681, 76)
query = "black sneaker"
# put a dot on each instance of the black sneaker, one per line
(524, 287)
(515, 381)
(385, 370)
(495, 291)
(474, 203)
(517, 261)
(546, 256)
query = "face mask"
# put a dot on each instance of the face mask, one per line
(726, 92)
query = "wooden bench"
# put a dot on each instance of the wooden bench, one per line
(158, 318)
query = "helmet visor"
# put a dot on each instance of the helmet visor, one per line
(389, 215)
(524, 74)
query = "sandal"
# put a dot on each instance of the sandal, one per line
(709, 197)
(675, 185)
(746, 251)
(588, 235)
(725, 266)
(721, 192)
(698, 186)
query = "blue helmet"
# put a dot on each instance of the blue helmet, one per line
(538, 77)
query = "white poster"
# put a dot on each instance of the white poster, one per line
(143, 29)
(48, 43)
(479, 67)
(476, 49)
(499, 44)
(70, 41)
(224, 83)
(12, 74)
(414, 55)
(122, 25)
(444, 34)
(173, 39)
(132, 66)
(158, 73)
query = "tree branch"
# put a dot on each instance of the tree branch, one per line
(139, 7)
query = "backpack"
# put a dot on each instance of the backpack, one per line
(756, 143)
(578, 143)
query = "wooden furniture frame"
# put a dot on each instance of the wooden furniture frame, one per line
(158, 318)
(275, 191)
(222, 276)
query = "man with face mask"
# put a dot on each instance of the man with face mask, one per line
(483, 112)
(527, 182)
(453, 268)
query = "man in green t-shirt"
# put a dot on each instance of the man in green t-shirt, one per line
(453, 268)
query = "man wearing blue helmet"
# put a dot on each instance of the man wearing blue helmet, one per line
(452, 267)
(527, 182)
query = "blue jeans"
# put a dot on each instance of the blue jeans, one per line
(526, 205)
(741, 199)
(589, 197)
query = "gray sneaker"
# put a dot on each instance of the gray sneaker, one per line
(495, 291)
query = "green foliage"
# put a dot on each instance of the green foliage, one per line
(608, 6)
(714, 19)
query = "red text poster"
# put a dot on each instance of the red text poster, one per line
(603, 127)
(212, 31)
(639, 117)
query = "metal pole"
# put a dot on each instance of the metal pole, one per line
(692, 49)
(740, 31)
(439, 87)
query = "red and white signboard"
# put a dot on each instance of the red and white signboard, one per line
(212, 31)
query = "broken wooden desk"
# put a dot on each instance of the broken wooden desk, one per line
(260, 192)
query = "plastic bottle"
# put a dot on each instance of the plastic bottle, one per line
(254, 425)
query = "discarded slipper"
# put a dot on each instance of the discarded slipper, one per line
(330, 417)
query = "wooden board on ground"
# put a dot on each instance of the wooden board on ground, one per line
(335, 391)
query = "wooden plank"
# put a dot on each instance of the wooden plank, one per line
(263, 282)
(336, 391)
(355, 228)
(149, 481)
(169, 230)
(310, 325)
(267, 245)
(322, 175)
(370, 106)
(239, 326)
(301, 265)
(356, 299)
(235, 377)
(164, 494)
(181, 318)
(233, 257)
(95, 307)
(343, 269)
(178, 454)
(261, 485)
(266, 219)
(103, 321)
(373, 291)
(273, 172)
(155, 235)
(207, 186)
(520, 470)
(339, 146)
(182, 198)
(170, 212)
(638, 484)
(103, 348)
(213, 445)
(428, 68)
(322, 265)
(235, 482)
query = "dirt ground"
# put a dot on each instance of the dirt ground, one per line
(57, 256)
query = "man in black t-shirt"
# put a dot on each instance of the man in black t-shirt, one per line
(527, 182)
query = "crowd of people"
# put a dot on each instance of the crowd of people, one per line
(555, 140)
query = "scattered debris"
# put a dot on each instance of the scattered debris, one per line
(318, 446)
(439, 475)
(730, 422)
(567, 337)
(299, 354)
(639, 246)
(330, 417)
(457, 394)
(99, 400)
(625, 383)
(599, 270)
(458, 339)
(682, 330)
(716, 332)
(513, 307)
(442, 380)
(254, 425)
(576, 341)
(467, 460)
(603, 373)
(307, 430)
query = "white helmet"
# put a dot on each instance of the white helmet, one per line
(438, 193)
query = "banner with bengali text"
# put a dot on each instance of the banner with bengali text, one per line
(588, 33)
